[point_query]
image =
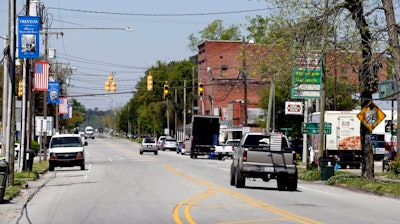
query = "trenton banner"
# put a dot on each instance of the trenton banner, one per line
(41, 77)
(54, 92)
(28, 36)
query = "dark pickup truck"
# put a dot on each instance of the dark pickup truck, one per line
(265, 156)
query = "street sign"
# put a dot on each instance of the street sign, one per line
(311, 128)
(370, 116)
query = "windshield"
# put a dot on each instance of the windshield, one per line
(66, 142)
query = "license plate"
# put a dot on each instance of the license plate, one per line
(268, 169)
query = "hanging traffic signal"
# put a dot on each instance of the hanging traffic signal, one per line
(107, 86)
(200, 89)
(166, 90)
(110, 85)
(113, 86)
(149, 82)
(20, 88)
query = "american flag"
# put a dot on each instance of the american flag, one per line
(41, 76)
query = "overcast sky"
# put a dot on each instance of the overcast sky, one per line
(160, 30)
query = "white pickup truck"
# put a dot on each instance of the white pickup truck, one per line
(226, 149)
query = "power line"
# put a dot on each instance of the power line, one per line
(162, 14)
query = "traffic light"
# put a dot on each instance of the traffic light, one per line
(107, 86)
(166, 90)
(110, 85)
(20, 88)
(149, 82)
(113, 86)
(200, 89)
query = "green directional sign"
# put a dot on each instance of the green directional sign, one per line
(311, 128)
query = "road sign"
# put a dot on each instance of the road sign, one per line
(311, 128)
(370, 116)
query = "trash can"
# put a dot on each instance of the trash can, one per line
(327, 167)
(3, 178)
(29, 159)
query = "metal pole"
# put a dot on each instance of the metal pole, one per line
(184, 109)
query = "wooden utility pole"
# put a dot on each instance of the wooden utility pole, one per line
(244, 77)
(395, 53)
(323, 75)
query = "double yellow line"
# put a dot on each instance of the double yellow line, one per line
(212, 189)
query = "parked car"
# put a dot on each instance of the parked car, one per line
(66, 150)
(170, 144)
(148, 145)
(160, 141)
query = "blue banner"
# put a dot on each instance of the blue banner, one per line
(28, 36)
(54, 92)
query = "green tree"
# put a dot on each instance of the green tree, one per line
(214, 31)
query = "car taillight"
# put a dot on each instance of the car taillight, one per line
(245, 155)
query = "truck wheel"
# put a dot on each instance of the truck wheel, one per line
(83, 166)
(219, 157)
(140, 152)
(343, 165)
(232, 175)
(156, 152)
(51, 167)
(240, 182)
(292, 182)
(281, 181)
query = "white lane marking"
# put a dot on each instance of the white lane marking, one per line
(322, 192)
(109, 159)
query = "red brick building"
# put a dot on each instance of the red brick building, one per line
(220, 65)
(220, 69)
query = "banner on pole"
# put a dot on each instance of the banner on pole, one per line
(28, 36)
(54, 93)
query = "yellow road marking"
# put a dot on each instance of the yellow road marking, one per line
(213, 189)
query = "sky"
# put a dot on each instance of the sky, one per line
(159, 31)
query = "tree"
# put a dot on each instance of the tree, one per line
(214, 31)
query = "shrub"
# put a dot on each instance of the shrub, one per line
(35, 146)
(395, 165)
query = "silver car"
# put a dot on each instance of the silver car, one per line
(170, 144)
(148, 145)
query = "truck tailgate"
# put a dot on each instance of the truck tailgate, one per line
(269, 157)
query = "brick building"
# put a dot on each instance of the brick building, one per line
(226, 83)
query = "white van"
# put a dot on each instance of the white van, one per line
(66, 150)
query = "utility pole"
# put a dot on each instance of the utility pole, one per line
(322, 101)
(209, 69)
(176, 114)
(44, 142)
(244, 77)
(184, 109)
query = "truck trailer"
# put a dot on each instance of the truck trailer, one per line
(204, 136)
(344, 142)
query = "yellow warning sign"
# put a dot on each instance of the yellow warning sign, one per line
(370, 116)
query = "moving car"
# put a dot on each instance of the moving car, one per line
(226, 149)
(160, 141)
(66, 150)
(148, 145)
(170, 144)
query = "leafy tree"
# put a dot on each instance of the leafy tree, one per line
(214, 31)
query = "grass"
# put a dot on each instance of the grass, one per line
(385, 184)
(20, 179)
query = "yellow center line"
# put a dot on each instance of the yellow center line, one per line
(213, 189)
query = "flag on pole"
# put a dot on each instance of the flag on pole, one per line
(41, 77)
(63, 105)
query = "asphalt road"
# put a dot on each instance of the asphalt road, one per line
(121, 186)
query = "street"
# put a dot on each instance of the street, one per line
(121, 186)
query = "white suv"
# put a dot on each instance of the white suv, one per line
(66, 150)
